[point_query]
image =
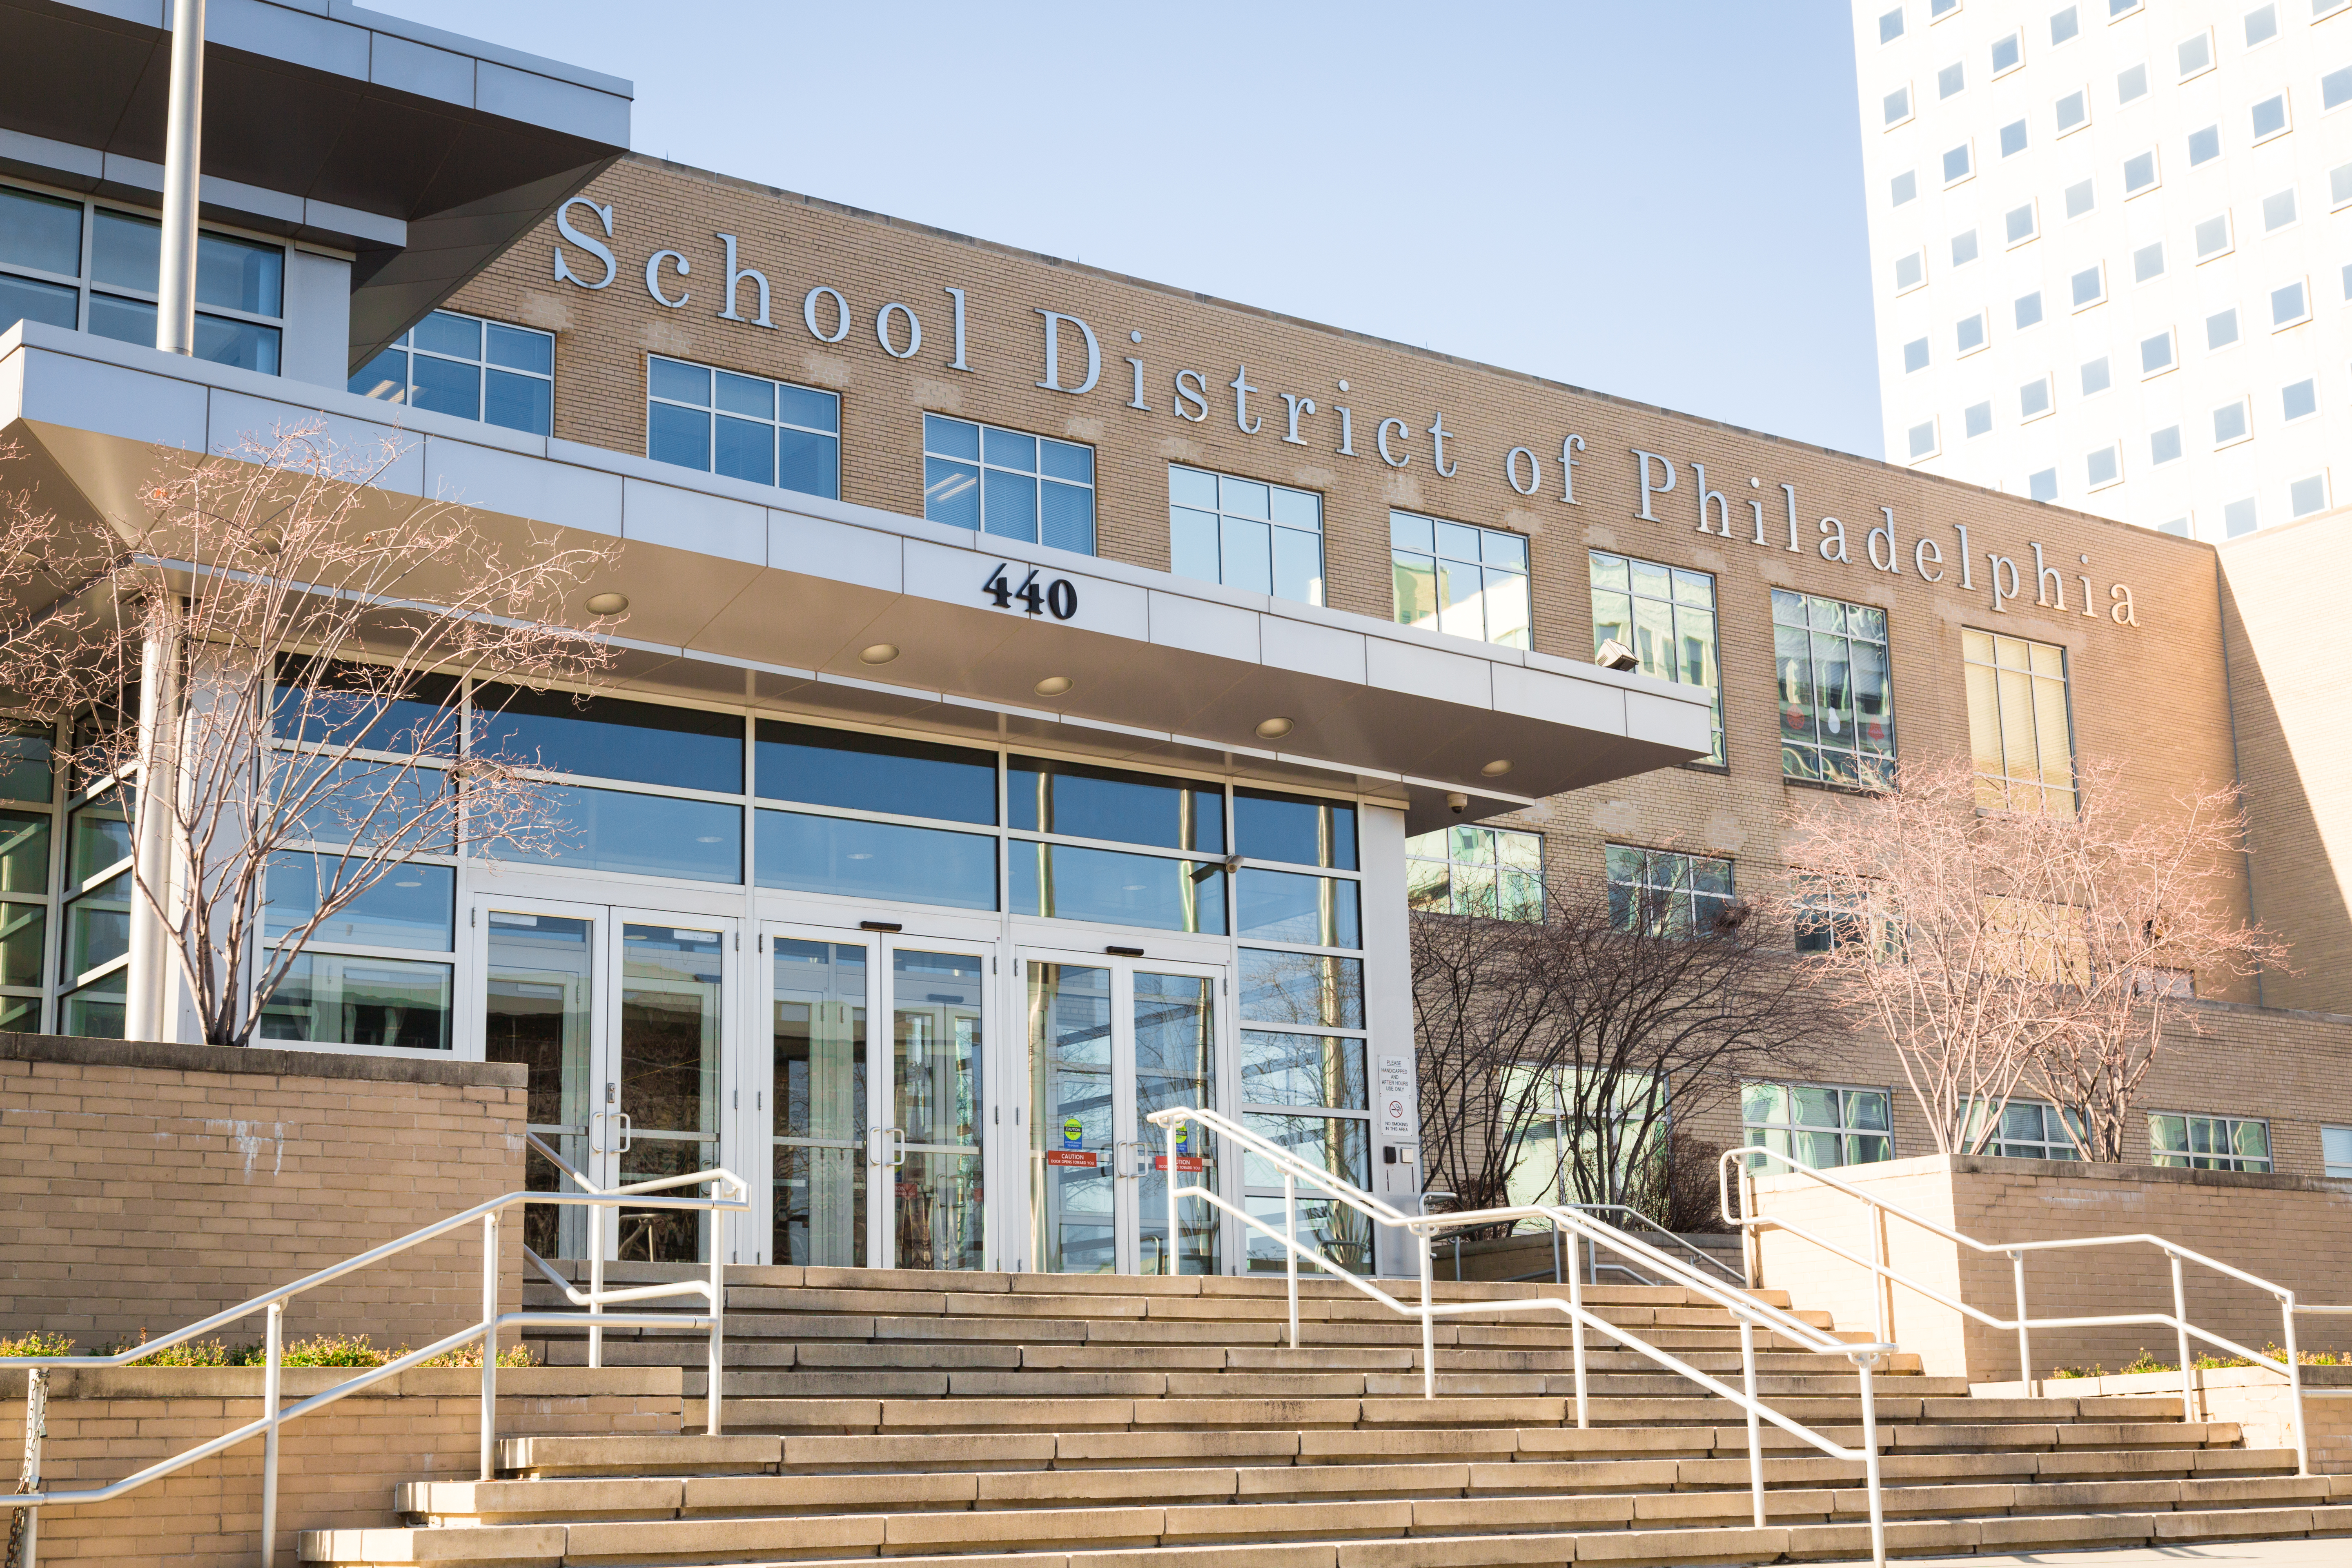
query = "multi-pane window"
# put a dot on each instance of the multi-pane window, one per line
(2019, 731)
(1818, 1125)
(744, 426)
(82, 264)
(29, 841)
(1665, 614)
(1030, 487)
(1470, 582)
(470, 368)
(1837, 700)
(2028, 1129)
(1245, 533)
(1476, 871)
(2209, 1142)
(2335, 1153)
(1665, 893)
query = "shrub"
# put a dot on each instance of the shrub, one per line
(36, 1344)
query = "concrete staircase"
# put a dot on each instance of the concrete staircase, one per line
(1049, 1421)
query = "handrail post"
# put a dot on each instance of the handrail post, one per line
(1752, 1240)
(25, 1523)
(2295, 1386)
(1576, 1327)
(1428, 1319)
(1755, 1422)
(2025, 1335)
(273, 1360)
(1170, 1263)
(1870, 1461)
(717, 1311)
(1290, 1253)
(596, 1282)
(2189, 1401)
(1882, 1294)
(489, 1342)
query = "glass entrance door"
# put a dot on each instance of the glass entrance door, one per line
(1109, 1043)
(620, 1019)
(877, 1141)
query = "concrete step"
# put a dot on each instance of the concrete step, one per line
(1401, 1533)
(1025, 1383)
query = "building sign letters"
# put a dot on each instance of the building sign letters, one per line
(1765, 517)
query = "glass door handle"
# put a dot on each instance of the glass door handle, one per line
(623, 1118)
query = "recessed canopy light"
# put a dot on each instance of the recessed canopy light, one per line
(880, 653)
(1054, 684)
(1496, 768)
(607, 604)
(1273, 728)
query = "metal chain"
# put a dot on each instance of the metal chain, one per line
(28, 1475)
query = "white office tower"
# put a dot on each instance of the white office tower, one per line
(2111, 246)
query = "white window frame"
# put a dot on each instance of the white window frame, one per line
(2293, 321)
(2332, 1168)
(2285, 99)
(1321, 585)
(2171, 354)
(1418, 851)
(2212, 56)
(2016, 36)
(2230, 1125)
(1845, 1131)
(407, 345)
(2048, 399)
(2245, 405)
(1912, 454)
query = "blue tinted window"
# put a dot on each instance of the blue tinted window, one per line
(1062, 881)
(645, 834)
(125, 320)
(1064, 460)
(679, 382)
(680, 436)
(517, 348)
(951, 493)
(125, 250)
(45, 233)
(809, 410)
(446, 386)
(746, 450)
(1068, 518)
(876, 773)
(446, 332)
(410, 905)
(1002, 492)
(384, 376)
(1302, 988)
(809, 464)
(876, 861)
(240, 275)
(769, 432)
(367, 706)
(25, 751)
(524, 403)
(1296, 828)
(606, 737)
(950, 437)
(1087, 802)
(24, 300)
(1008, 504)
(1284, 906)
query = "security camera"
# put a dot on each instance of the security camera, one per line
(1457, 803)
(1614, 655)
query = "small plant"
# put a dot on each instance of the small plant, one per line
(36, 1344)
(471, 1355)
(189, 1353)
(333, 1349)
(2063, 1372)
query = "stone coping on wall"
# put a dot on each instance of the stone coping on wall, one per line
(302, 1382)
(160, 1055)
(2069, 1170)
(2333, 1381)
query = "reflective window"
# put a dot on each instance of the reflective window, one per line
(1665, 893)
(1819, 1126)
(2209, 1142)
(2028, 1129)
(1031, 488)
(1300, 829)
(2019, 730)
(338, 999)
(1311, 990)
(26, 750)
(1065, 881)
(885, 860)
(1469, 582)
(2336, 1151)
(1285, 906)
(875, 772)
(410, 905)
(1836, 698)
(1245, 533)
(1490, 871)
(611, 738)
(1665, 614)
(369, 707)
(642, 834)
(1304, 1069)
(468, 368)
(1083, 801)
(743, 427)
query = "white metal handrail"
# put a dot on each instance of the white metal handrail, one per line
(732, 1195)
(1885, 1278)
(1580, 1229)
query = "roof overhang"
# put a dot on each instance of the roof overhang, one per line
(741, 594)
(425, 153)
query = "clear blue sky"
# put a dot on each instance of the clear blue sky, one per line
(1656, 198)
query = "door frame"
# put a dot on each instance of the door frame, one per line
(1128, 1131)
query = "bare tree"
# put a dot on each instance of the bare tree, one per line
(274, 656)
(2149, 915)
(1612, 1015)
(2001, 951)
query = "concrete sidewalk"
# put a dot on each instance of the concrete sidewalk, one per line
(2327, 1551)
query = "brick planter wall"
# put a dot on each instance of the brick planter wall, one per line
(337, 1469)
(2292, 1230)
(146, 1186)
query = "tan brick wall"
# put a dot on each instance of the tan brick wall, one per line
(337, 1469)
(2292, 1232)
(146, 1186)
(799, 244)
(2280, 592)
